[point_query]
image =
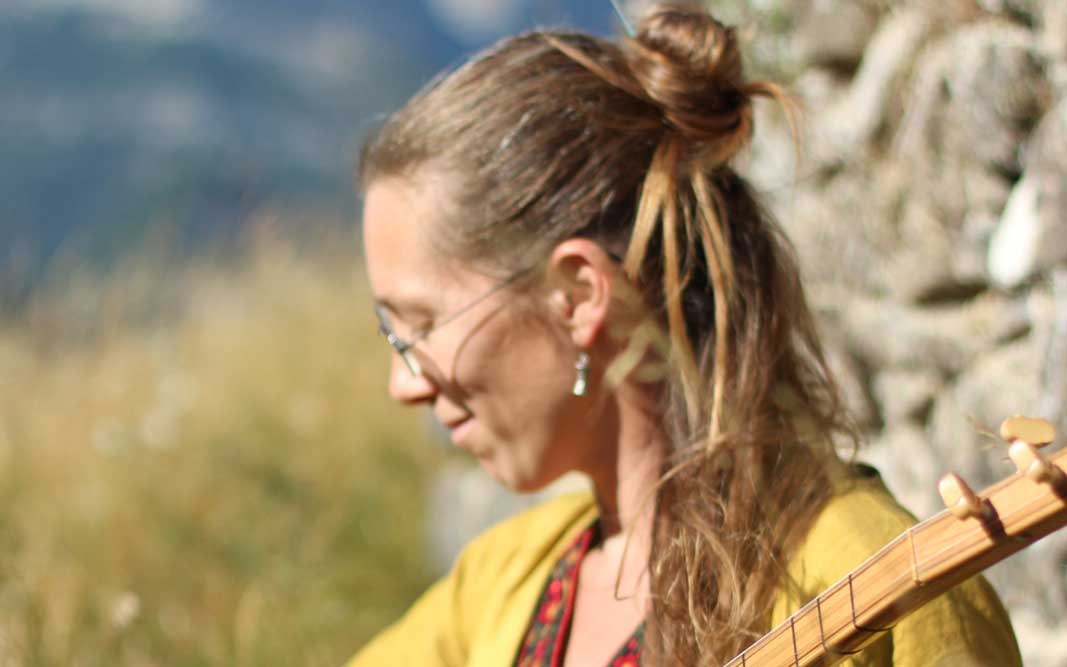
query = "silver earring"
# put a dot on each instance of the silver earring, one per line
(581, 374)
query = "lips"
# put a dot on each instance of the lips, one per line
(460, 429)
(455, 423)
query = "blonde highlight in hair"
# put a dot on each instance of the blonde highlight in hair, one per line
(550, 136)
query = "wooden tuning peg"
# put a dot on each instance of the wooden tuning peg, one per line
(1030, 462)
(1035, 432)
(1026, 434)
(959, 498)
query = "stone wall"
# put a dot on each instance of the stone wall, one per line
(929, 210)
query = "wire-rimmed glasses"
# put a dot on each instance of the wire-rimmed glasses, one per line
(406, 348)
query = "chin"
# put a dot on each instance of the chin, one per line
(527, 487)
(513, 480)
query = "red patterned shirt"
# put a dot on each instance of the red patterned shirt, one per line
(546, 636)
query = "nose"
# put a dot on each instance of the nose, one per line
(407, 388)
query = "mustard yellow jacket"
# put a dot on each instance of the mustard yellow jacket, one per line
(478, 614)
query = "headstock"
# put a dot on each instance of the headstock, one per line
(1025, 435)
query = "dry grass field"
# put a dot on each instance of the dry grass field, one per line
(199, 465)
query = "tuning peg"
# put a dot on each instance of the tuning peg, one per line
(1033, 431)
(1030, 462)
(959, 498)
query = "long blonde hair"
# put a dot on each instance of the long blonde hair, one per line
(553, 135)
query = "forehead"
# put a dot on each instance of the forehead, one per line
(401, 264)
(395, 220)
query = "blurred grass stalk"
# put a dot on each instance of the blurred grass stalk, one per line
(199, 464)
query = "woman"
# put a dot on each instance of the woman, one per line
(574, 278)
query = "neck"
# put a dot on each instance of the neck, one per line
(624, 473)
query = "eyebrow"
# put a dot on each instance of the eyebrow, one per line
(400, 306)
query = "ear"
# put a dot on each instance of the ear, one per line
(581, 275)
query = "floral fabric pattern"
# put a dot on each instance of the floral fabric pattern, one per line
(546, 637)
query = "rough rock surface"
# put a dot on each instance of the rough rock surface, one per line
(934, 240)
(832, 33)
(1032, 235)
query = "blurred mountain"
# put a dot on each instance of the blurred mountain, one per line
(120, 115)
(108, 125)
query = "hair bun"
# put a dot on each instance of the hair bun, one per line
(689, 65)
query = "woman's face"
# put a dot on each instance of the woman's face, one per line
(495, 377)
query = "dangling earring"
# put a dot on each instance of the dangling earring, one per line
(581, 374)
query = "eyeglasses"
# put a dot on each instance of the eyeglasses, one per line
(406, 348)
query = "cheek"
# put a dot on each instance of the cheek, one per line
(523, 378)
(532, 416)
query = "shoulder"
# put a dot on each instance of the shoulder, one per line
(966, 626)
(481, 608)
(498, 578)
(861, 517)
(502, 569)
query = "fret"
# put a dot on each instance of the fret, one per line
(793, 632)
(822, 630)
(827, 650)
(852, 605)
(915, 578)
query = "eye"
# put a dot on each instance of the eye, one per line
(411, 322)
(414, 329)
(421, 329)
